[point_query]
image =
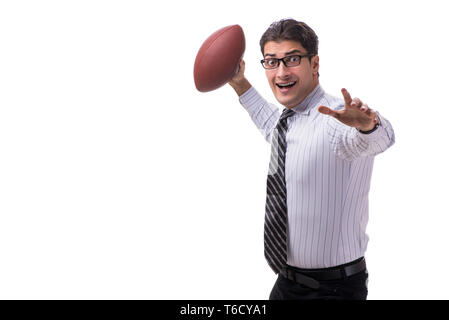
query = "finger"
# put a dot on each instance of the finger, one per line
(240, 66)
(356, 103)
(237, 70)
(346, 96)
(368, 111)
(328, 111)
(365, 109)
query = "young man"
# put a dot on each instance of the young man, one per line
(322, 157)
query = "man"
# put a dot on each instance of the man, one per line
(322, 157)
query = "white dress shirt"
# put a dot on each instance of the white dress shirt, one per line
(328, 168)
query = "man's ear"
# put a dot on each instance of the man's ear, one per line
(316, 64)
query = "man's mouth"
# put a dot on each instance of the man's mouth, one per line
(285, 86)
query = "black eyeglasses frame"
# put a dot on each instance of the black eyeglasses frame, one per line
(285, 64)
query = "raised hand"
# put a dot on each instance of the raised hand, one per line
(239, 82)
(354, 114)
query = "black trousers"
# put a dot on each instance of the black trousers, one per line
(354, 287)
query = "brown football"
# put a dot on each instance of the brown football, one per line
(218, 58)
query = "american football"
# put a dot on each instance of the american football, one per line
(218, 58)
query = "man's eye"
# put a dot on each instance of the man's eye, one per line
(271, 62)
(292, 59)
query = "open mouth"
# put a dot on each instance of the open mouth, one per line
(286, 85)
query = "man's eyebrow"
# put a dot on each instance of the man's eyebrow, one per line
(293, 51)
(287, 53)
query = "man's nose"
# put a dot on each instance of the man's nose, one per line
(282, 70)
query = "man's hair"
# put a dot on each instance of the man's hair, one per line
(290, 29)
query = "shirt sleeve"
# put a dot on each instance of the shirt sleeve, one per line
(263, 114)
(349, 143)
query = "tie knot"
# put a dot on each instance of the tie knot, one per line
(286, 113)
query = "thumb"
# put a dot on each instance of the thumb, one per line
(324, 110)
(329, 111)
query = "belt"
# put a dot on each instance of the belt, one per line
(311, 277)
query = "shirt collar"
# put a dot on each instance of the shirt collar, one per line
(310, 101)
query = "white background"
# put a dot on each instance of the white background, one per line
(118, 180)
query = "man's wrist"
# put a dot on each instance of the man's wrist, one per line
(371, 129)
(241, 87)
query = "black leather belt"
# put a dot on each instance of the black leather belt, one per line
(311, 277)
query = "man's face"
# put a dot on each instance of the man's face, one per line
(304, 77)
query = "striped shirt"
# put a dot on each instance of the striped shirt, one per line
(328, 168)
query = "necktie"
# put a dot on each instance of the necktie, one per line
(275, 229)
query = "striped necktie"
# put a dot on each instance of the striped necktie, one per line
(275, 229)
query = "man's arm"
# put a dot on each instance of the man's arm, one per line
(263, 114)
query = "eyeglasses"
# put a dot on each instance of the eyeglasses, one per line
(289, 61)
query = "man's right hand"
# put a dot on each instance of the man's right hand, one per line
(239, 83)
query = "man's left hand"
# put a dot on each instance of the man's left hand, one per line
(354, 114)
